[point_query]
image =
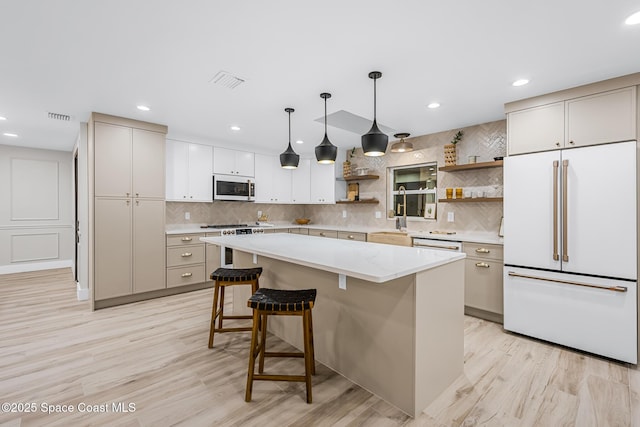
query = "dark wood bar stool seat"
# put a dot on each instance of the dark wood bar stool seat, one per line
(230, 277)
(265, 302)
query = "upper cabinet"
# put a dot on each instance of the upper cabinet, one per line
(587, 120)
(233, 162)
(129, 162)
(301, 183)
(323, 183)
(273, 183)
(189, 172)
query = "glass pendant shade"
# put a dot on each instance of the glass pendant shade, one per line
(374, 142)
(289, 159)
(402, 146)
(326, 152)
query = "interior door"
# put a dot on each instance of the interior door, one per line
(601, 210)
(529, 210)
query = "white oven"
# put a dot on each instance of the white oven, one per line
(438, 245)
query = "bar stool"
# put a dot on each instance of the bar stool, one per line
(265, 302)
(230, 277)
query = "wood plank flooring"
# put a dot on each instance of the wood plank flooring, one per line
(154, 355)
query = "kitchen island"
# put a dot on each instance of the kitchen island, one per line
(388, 318)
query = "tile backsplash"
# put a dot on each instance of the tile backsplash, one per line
(486, 141)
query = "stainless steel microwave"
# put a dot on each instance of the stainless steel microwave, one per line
(235, 188)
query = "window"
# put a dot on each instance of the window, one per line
(418, 183)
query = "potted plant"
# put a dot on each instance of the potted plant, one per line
(450, 149)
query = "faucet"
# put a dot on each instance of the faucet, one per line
(401, 223)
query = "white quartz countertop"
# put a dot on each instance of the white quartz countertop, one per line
(373, 262)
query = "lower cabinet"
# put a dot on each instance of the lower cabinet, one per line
(483, 281)
(212, 258)
(299, 230)
(346, 235)
(323, 233)
(185, 260)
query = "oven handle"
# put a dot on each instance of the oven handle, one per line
(424, 245)
(568, 282)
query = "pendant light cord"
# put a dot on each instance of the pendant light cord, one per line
(325, 117)
(289, 128)
(374, 99)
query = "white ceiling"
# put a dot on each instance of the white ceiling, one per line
(74, 57)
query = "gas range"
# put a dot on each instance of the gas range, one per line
(235, 229)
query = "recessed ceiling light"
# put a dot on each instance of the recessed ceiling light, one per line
(633, 19)
(520, 82)
(236, 128)
(12, 135)
(143, 108)
(433, 105)
(3, 118)
(299, 141)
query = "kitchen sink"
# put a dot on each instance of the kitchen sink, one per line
(398, 238)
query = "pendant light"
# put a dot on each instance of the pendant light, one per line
(374, 142)
(289, 159)
(326, 152)
(402, 146)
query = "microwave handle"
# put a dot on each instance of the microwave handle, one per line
(252, 190)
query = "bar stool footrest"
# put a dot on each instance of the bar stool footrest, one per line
(263, 377)
(239, 329)
(282, 354)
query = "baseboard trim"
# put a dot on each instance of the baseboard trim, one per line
(82, 293)
(483, 314)
(35, 266)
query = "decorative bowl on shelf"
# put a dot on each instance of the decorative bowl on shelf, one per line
(303, 221)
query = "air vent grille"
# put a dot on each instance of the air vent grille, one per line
(226, 79)
(57, 116)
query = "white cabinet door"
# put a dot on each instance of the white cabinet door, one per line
(529, 210)
(301, 182)
(177, 175)
(602, 118)
(536, 129)
(112, 160)
(281, 182)
(264, 179)
(601, 210)
(233, 162)
(322, 183)
(200, 173)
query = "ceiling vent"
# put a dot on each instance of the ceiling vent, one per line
(57, 116)
(226, 79)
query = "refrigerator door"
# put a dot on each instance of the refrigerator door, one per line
(531, 209)
(599, 318)
(601, 221)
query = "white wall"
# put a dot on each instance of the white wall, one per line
(36, 209)
(83, 214)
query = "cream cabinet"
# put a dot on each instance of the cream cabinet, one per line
(483, 280)
(604, 117)
(301, 183)
(233, 162)
(323, 233)
(127, 213)
(185, 259)
(212, 258)
(323, 183)
(273, 183)
(189, 172)
(299, 230)
(347, 235)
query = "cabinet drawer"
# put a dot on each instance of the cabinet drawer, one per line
(184, 239)
(180, 276)
(299, 231)
(360, 237)
(323, 233)
(483, 251)
(483, 285)
(183, 255)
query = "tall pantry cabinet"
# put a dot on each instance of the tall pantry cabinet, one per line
(127, 208)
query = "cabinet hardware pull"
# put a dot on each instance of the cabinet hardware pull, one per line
(186, 239)
(187, 274)
(322, 234)
(569, 282)
(557, 144)
(571, 142)
(556, 255)
(137, 194)
(128, 202)
(452, 248)
(351, 236)
(565, 222)
(482, 251)
(137, 202)
(482, 264)
(186, 254)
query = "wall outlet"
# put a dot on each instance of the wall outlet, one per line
(259, 214)
(187, 215)
(450, 217)
(378, 214)
(344, 214)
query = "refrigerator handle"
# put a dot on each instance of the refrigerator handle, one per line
(569, 282)
(565, 226)
(556, 256)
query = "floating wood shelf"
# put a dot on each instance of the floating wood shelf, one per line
(360, 177)
(472, 199)
(483, 165)
(356, 202)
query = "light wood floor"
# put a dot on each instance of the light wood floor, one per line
(154, 354)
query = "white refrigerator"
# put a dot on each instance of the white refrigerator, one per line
(570, 248)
